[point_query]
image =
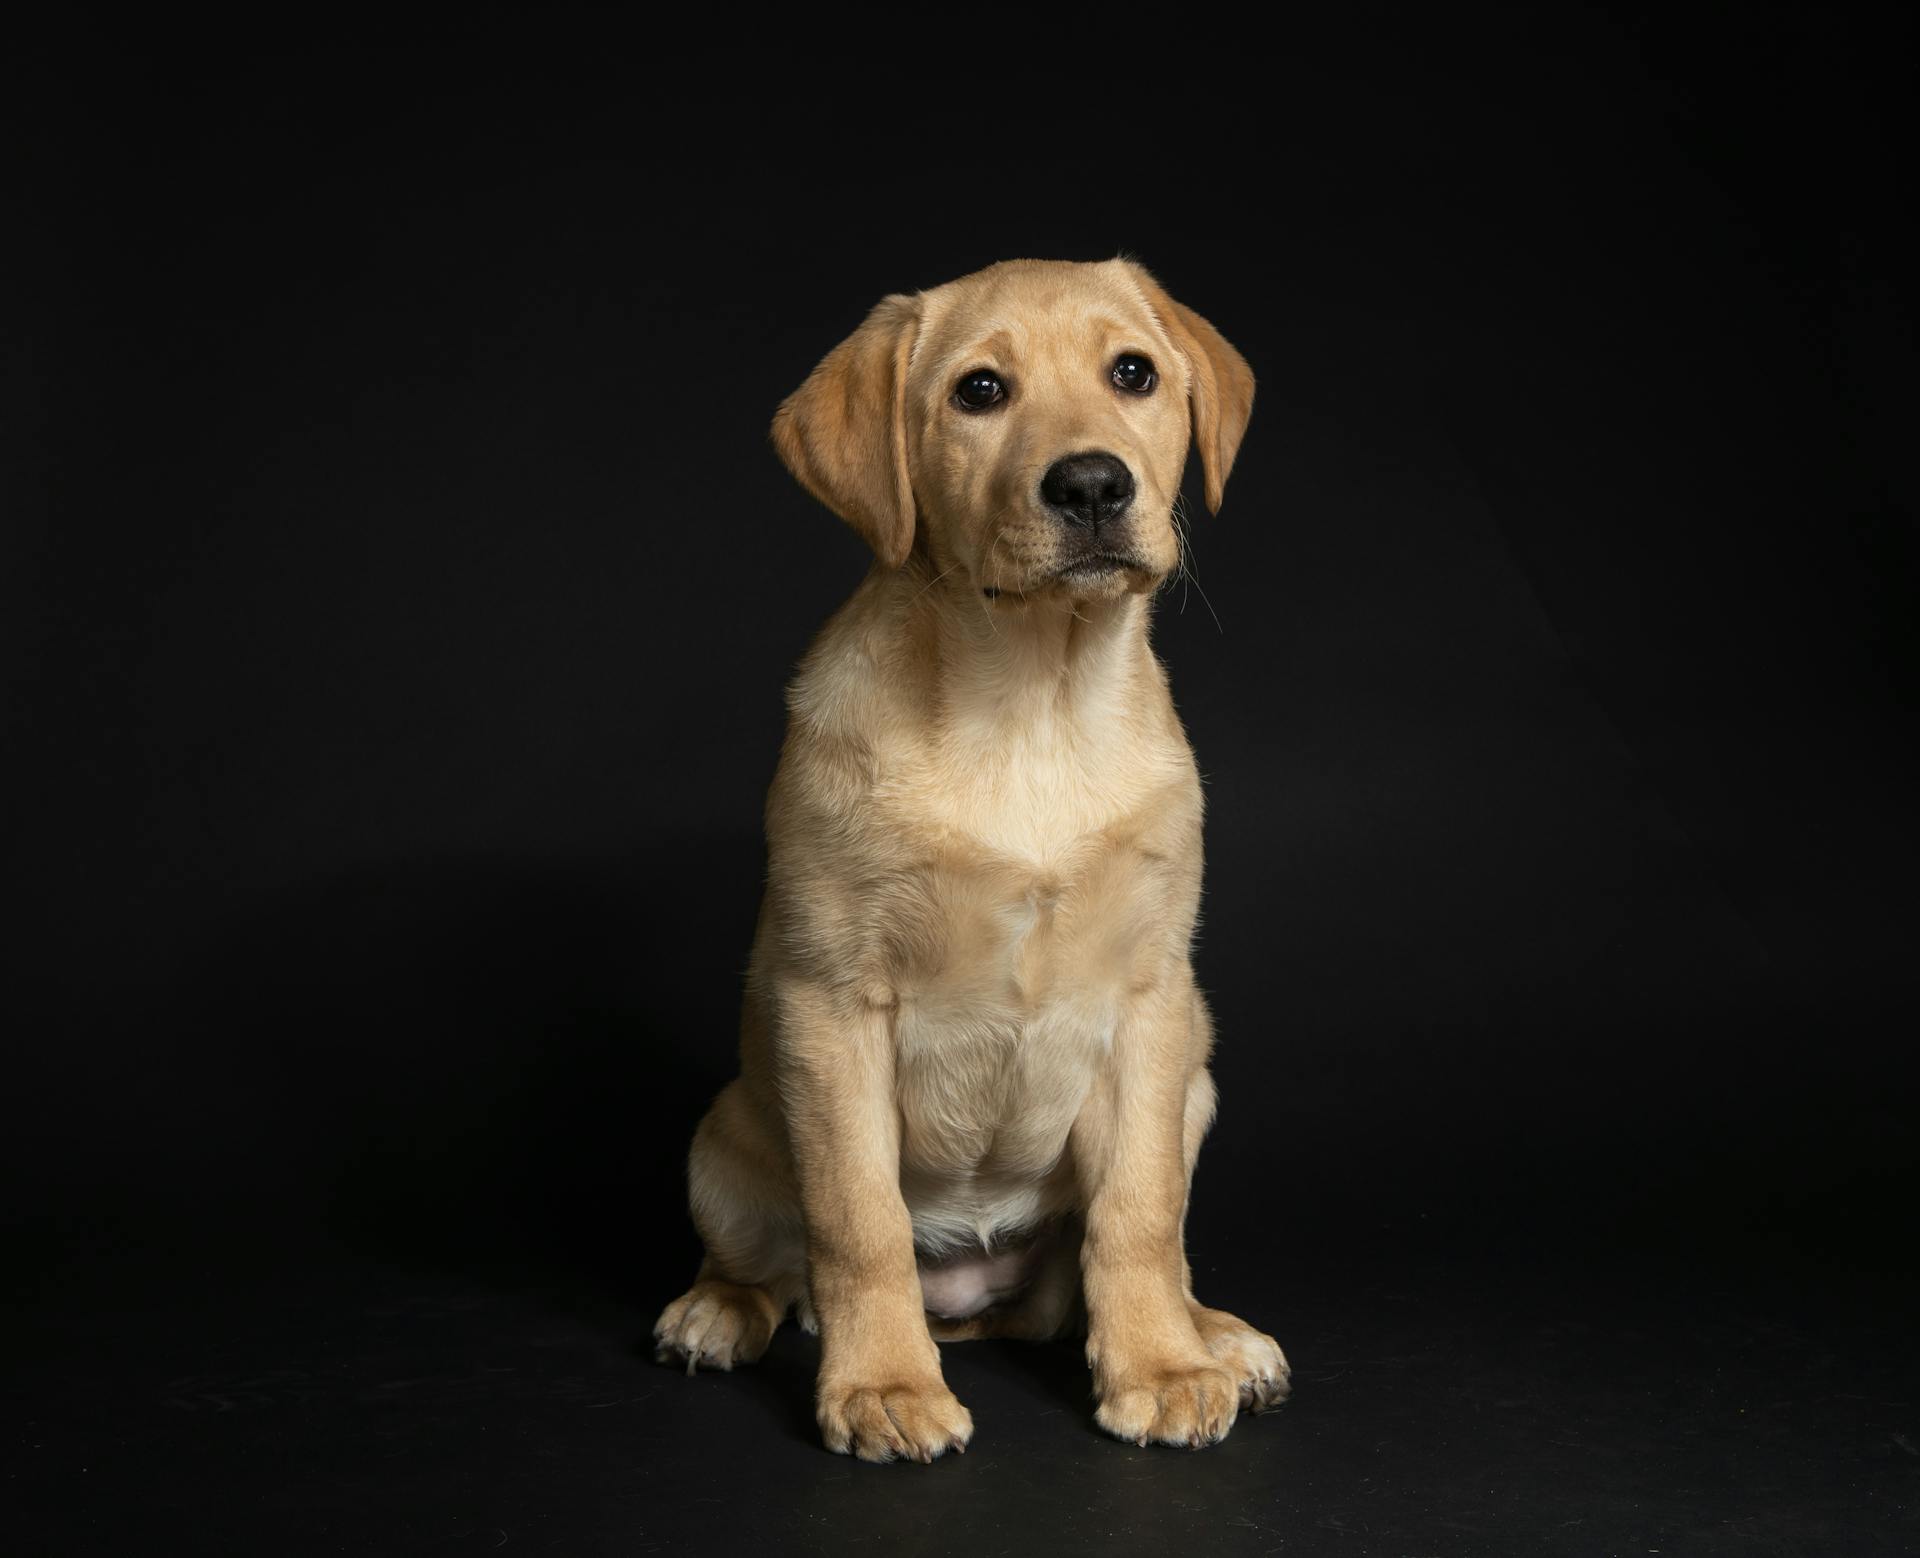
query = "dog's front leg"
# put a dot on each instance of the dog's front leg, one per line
(880, 1393)
(1152, 1372)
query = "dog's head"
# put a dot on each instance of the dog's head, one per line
(1026, 425)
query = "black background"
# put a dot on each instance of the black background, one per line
(400, 592)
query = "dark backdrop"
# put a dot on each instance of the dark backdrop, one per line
(402, 588)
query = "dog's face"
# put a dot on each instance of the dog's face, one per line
(1026, 425)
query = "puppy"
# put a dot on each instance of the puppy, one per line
(973, 1059)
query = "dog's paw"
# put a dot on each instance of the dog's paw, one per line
(1252, 1357)
(715, 1325)
(912, 1422)
(1177, 1403)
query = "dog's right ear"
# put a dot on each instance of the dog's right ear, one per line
(843, 433)
(1222, 392)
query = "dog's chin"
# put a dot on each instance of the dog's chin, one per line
(1103, 576)
(1095, 577)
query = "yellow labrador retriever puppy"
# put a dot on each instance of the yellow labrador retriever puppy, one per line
(973, 1060)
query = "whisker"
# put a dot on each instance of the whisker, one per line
(931, 583)
(1187, 570)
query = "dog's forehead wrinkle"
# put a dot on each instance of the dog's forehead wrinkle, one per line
(997, 349)
(1024, 296)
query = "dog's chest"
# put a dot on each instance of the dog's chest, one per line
(1012, 980)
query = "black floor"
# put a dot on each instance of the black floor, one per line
(351, 1404)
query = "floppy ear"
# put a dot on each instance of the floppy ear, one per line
(843, 433)
(1222, 397)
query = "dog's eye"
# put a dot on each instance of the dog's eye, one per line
(979, 389)
(1134, 374)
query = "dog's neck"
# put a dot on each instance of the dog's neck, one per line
(1013, 673)
(1025, 724)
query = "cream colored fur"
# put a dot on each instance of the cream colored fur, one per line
(970, 1015)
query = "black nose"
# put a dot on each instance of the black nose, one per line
(1088, 489)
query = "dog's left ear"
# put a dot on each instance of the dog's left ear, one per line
(1222, 395)
(843, 433)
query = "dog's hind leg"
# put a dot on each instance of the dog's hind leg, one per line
(755, 1265)
(1253, 1357)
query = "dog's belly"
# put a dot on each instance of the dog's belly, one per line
(959, 1286)
(1004, 1021)
(987, 1102)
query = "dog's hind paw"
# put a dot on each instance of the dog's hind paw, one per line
(715, 1325)
(1253, 1357)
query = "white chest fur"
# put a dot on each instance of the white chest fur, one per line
(1026, 812)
